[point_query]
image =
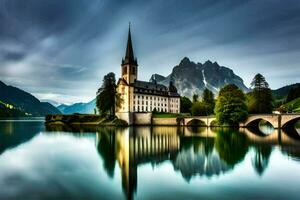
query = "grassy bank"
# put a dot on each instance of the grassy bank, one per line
(293, 106)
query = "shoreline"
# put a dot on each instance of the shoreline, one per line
(99, 121)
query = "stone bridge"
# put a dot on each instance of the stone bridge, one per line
(205, 120)
(277, 120)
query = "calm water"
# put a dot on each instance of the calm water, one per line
(147, 163)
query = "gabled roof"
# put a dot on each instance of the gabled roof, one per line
(122, 81)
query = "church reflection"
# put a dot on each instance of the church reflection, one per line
(193, 152)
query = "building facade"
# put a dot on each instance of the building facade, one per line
(142, 96)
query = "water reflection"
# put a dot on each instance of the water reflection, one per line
(13, 133)
(231, 145)
(265, 127)
(197, 157)
(89, 153)
(192, 151)
(261, 159)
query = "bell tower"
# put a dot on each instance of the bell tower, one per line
(129, 63)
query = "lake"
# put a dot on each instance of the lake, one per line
(38, 162)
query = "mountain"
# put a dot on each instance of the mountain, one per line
(83, 108)
(190, 77)
(157, 78)
(282, 92)
(16, 99)
(52, 102)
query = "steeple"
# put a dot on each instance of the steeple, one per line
(129, 55)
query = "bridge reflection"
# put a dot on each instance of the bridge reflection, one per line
(193, 152)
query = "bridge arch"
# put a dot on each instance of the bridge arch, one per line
(254, 120)
(289, 119)
(258, 138)
(213, 122)
(196, 122)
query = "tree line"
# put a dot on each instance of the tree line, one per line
(232, 105)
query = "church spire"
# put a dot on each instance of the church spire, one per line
(129, 55)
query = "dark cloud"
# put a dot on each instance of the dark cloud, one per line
(66, 46)
(12, 56)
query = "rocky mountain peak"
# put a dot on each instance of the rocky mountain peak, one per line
(185, 61)
(190, 78)
(208, 62)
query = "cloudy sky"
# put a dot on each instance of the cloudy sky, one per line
(60, 49)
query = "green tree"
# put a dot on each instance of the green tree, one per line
(185, 105)
(231, 105)
(107, 96)
(198, 109)
(209, 101)
(260, 99)
(195, 98)
(294, 93)
(204, 107)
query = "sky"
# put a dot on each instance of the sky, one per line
(60, 50)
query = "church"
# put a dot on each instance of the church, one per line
(141, 96)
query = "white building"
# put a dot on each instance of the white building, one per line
(142, 96)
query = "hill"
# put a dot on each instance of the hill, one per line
(293, 106)
(282, 92)
(18, 101)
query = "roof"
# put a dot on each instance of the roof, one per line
(152, 89)
(122, 81)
